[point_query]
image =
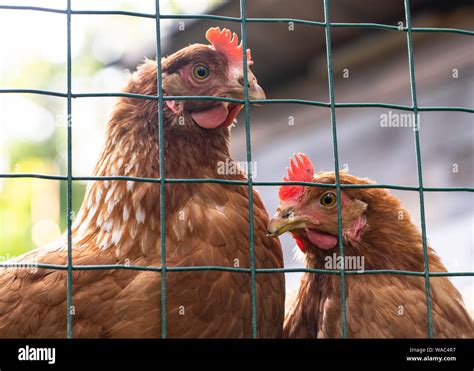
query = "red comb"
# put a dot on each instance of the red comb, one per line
(301, 170)
(228, 43)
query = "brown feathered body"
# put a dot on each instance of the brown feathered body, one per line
(119, 223)
(377, 305)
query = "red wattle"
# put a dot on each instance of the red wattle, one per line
(211, 118)
(322, 240)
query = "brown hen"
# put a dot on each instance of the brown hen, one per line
(377, 234)
(119, 221)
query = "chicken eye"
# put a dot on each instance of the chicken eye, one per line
(328, 199)
(201, 71)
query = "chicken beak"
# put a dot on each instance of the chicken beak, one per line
(236, 91)
(279, 224)
(256, 92)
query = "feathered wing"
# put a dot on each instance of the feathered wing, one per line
(384, 307)
(219, 304)
(377, 306)
(31, 298)
(33, 301)
(450, 317)
(127, 303)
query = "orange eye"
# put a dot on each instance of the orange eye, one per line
(328, 199)
(201, 72)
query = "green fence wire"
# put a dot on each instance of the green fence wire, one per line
(411, 63)
(332, 105)
(70, 307)
(161, 142)
(336, 164)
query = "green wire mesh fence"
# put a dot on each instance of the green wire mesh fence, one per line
(332, 105)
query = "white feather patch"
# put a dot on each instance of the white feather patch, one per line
(104, 245)
(109, 194)
(89, 203)
(103, 242)
(108, 226)
(110, 207)
(298, 255)
(220, 208)
(126, 214)
(116, 235)
(98, 196)
(140, 215)
(99, 219)
(133, 231)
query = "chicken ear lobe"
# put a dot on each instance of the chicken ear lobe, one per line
(175, 107)
(354, 231)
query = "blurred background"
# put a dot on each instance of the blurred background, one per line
(370, 65)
